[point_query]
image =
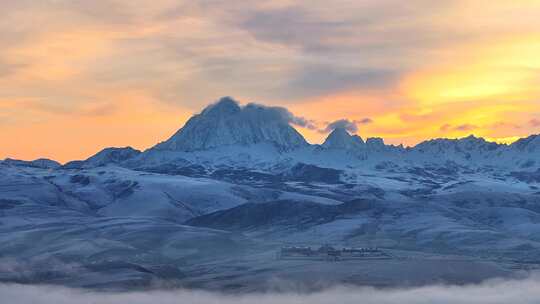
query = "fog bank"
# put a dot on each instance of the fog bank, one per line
(526, 291)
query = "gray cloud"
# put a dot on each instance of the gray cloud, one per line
(284, 114)
(350, 27)
(346, 124)
(526, 291)
(315, 79)
(269, 113)
(290, 118)
(302, 122)
(293, 25)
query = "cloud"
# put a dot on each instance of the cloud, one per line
(317, 30)
(271, 112)
(364, 121)
(445, 127)
(346, 124)
(302, 122)
(316, 79)
(465, 127)
(534, 122)
(525, 291)
(8, 69)
(288, 116)
(462, 127)
(505, 125)
(292, 119)
(349, 125)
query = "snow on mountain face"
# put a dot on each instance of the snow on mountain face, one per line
(468, 150)
(465, 145)
(104, 157)
(42, 163)
(529, 144)
(341, 139)
(113, 155)
(227, 123)
(375, 144)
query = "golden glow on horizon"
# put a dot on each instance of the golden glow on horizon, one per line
(508, 69)
(488, 92)
(503, 140)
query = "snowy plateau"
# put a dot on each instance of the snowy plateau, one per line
(211, 206)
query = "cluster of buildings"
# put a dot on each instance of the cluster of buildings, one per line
(328, 252)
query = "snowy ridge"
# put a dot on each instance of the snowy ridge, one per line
(43, 163)
(104, 157)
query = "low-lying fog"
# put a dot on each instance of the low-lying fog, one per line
(525, 291)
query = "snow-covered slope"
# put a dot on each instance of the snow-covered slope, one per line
(112, 155)
(529, 144)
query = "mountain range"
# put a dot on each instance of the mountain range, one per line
(257, 136)
(208, 207)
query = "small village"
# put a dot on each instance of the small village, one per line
(329, 253)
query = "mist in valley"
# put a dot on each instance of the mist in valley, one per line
(495, 291)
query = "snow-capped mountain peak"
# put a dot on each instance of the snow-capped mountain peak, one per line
(375, 144)
(226, 123)
(223, 107)
(339, 138)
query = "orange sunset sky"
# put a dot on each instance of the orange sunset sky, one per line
(77, 76)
